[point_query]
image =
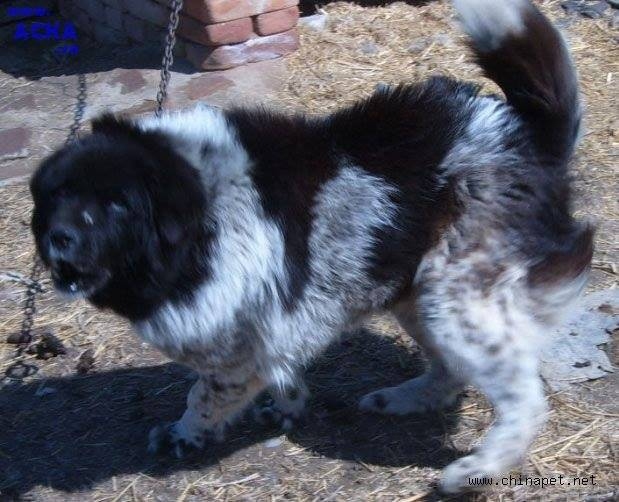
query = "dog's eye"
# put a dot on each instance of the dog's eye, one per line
(61, 193)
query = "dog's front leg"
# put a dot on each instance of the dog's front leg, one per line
(214, 401)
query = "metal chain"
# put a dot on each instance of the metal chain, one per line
(29, 305)
(168, 55)
(78, 114)
(34, 286)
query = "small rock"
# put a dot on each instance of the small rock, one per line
(18, 338)
(419, 45)
(85, 362)
(44, 391)
(274, 442)
(316, 22)
(49, 346)
(573, 352)
(587, 9)
(368, 47)
(443, 39)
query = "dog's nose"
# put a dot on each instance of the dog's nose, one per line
(62, 238)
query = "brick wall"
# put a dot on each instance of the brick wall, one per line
(212, 34)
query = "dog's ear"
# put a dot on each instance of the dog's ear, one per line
(174, 186)
(112, 125)
(179, 209)
(177, 196)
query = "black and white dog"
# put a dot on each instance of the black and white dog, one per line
(242, 242)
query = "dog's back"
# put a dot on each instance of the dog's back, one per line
(380, 182)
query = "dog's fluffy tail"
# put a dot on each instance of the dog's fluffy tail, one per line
(521, 51)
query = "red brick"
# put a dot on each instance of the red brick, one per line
(95, 9)
(140, 30)
(115, 4)
(229, 32)
(255, 49)
(148, 10)
(114, 17)
(82, 20)
(109, 35)
(276, 21)
(218, 11)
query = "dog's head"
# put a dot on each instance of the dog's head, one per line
(116, 206)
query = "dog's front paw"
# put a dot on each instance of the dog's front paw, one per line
(170, 438)
(272, 414)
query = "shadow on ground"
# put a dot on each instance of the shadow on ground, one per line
(69, 433)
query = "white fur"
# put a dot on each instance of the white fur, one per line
(201, 126)
(486, 338)
(348, 209)
(488, 22)
(248, 262)
(88, 218)
(482, 143)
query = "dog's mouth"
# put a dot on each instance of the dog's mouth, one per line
(76, 281)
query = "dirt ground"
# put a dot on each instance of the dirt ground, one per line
(73, 426)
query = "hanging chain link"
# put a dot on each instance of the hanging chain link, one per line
(33, 284)
(168, 54)
(78, 114)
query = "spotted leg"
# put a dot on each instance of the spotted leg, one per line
(477, 317)
(435, 389)
(213, 402)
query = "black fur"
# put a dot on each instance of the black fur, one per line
(399, 134)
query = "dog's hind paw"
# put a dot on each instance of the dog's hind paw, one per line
(423, 394)
(468, 474)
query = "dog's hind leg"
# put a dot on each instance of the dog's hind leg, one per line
(477, 317)
(477, 314)
(433, 390)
